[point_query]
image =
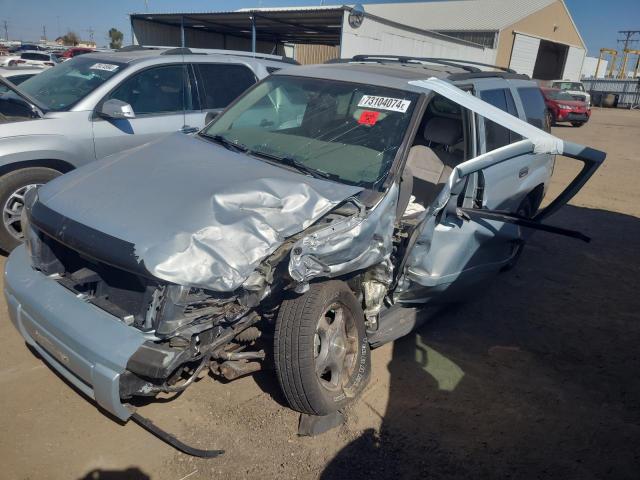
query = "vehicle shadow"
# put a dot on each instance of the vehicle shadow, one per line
(132, 473)
(536, 378)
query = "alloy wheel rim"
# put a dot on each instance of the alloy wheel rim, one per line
(335, 347)
(12, 211)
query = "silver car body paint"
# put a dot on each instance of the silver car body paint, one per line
(355, 243)
(448, 247)
(221, 213)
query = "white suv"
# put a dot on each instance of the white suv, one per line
(575, 89)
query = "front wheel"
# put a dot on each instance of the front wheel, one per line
(321, 351)
(13, 188)
(577, 124)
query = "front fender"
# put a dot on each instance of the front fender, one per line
(24, 148)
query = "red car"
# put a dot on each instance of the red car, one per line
(75, 51)
(562, 107)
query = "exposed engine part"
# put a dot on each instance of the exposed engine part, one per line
(375, 285)
(251, 334)
(240, 355)
(232, 369)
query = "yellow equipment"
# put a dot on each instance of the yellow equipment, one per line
(612, 64)
(623, 68)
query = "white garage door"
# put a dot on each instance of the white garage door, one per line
(573, 65)
(524, 54)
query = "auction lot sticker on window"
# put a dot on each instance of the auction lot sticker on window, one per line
(384, 103)
(107, 67)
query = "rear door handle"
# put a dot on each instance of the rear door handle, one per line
(523, 172)
(188, 129)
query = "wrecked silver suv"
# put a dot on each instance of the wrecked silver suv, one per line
(299, 228)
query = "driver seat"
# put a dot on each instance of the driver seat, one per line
(427, 169)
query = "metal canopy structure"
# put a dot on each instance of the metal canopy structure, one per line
(320, 25)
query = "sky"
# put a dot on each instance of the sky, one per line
(597, 20)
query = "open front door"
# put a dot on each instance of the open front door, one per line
(454, 247)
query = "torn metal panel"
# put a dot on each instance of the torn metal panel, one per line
(357, 242)
(220, 213)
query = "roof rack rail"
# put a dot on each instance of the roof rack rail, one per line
(210, 51)
(467, 65)
(135, 48)
(469, 62)
(404, 60)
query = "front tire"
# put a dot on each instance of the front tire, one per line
(577, 124)
(322, 355)
(13, 187)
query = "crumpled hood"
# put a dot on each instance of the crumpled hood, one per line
(196, 213)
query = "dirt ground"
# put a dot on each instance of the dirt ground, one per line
(535, 378)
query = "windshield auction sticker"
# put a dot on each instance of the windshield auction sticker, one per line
(368, 117)
(384, 103)
(107, 67)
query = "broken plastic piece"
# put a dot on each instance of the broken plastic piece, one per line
(313, 425)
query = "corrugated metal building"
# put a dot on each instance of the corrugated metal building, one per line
(536, 37)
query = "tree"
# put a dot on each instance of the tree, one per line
(71, 39)
(116, 38)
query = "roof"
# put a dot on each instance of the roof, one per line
(319, 25)
(459, 15)
(137, 54)
(392, 75)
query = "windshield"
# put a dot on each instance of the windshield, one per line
(60, 87)
(569, 86)
(344, 131)
(558, 95)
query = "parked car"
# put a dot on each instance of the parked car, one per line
(74, 52)
(17, 75)
(9, 57)
(101, 103)
(563, 108)
(316, 212)
(575, 89)
(33, 59)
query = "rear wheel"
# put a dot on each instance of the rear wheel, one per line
(321, 351)
(13, 188)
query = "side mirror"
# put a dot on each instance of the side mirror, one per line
(210, 116)
(116, 109)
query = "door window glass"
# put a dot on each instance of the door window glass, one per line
(534, 107)
(156, 90)
(223, 83)
(497, 135)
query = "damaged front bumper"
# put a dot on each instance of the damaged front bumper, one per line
(84, 344)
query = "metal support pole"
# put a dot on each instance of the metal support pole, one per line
(598, 65)
(182, 42)
(253, 34)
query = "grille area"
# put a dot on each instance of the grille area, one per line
(121, 293)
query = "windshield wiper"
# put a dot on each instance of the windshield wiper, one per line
(225, 142)
(298, 165)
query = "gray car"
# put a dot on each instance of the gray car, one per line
(307, 223)
(99, 104)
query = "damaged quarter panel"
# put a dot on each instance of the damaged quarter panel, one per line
(196, 213)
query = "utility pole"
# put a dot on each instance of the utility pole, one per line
(6, 30)
(44, 32)
(627, 39)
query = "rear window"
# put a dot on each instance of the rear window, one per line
(35, 56)
(223, 83)
(534, 107)
(496, 135)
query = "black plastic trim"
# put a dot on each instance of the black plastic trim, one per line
(86, 240)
